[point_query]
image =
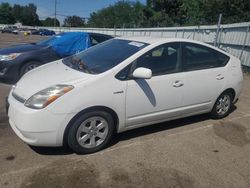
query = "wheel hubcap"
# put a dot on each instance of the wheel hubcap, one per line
(92, 132)
(223, 105)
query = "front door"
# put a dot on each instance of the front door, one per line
(152, 100)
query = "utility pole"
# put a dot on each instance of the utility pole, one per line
(55, 14)
(218, 31)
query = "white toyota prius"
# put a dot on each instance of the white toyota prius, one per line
(122, 84)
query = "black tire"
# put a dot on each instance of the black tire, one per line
(28, 67)
(215, 111)
(73, 131)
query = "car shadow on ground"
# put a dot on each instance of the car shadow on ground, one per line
(158, 128)
(132, 133)
(3, 117)
(52, 150)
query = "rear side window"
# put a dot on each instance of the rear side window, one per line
(197, 57)
(96, 39)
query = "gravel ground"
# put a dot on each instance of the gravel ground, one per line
(11, 39)
(190, 152)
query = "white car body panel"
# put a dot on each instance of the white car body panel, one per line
(146, 99)
(56, 73)
(136, 102)
(201, 88)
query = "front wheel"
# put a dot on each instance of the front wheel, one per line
(91, 132)
(222, 106)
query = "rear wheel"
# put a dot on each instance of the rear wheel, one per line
(222, 106)
(28, 67)
(91, 132)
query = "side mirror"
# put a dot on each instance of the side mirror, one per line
(143, 73)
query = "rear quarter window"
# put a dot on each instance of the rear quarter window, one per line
(223, 59)
(196, 56)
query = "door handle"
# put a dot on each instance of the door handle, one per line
(177, 83)
(219, 77)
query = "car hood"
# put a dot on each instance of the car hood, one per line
(20, 48)
(46, 76)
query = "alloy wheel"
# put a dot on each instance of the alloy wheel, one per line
(223, 105)
(92, 132)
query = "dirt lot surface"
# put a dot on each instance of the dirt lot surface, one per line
(191, 152)
(11, 39)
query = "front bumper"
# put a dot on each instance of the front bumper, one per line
(37, 127)
(9, 73)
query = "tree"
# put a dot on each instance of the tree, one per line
(17, 12)
(25, 14)
(194, 10)
(166, 12)
(138, 14)
(121, 14)
(29, 16)
(5, 14)
(207, 11)
(50, 22)
(156, 13)
(74, 21)
(103, 18)
(232, 11)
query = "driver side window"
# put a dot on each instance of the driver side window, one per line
(161, 60)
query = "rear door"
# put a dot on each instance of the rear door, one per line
(203, 78)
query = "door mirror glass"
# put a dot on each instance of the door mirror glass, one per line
(143, 73)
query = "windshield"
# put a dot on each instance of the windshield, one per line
(104, 56)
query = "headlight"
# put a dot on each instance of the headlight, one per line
(45, 97)
(9, 57)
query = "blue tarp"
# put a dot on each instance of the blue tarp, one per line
(69, 43)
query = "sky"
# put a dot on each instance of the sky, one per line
(82, 8)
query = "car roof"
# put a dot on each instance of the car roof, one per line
(149, 40)
(160, 40)
(152, 40)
